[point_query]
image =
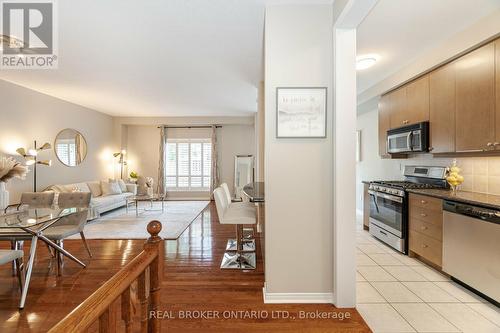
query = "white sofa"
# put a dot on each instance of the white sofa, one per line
(98, 204)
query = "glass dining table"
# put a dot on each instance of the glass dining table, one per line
(33, 221)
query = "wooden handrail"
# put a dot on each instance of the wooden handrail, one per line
(104, 303)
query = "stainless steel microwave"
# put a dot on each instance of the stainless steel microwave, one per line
(409, 139)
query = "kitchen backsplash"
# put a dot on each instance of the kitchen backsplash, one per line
(481, 174)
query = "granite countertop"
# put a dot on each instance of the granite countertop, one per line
(474, 198)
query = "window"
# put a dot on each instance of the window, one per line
(66, 152)
(188, 164)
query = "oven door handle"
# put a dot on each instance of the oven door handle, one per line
(386, 196)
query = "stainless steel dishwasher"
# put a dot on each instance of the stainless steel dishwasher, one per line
(471, 247)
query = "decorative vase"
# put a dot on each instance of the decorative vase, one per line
(4, 196)
(454, 178)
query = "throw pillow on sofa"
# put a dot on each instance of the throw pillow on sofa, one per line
(95, 188)
(121, 183)
(110, 188)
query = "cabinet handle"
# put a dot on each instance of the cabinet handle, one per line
(424, 246)
(423, 214)
(423, 228)
(470, 150)
(423, 202)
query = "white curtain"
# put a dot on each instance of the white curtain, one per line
(161, 167)
(215, 176)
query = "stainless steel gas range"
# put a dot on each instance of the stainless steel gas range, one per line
(389, 203)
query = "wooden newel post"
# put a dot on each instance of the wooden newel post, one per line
(155, 244)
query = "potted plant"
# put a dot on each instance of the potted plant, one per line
(9, 169)
(133, 176)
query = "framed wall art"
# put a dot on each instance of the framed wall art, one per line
(301, 112)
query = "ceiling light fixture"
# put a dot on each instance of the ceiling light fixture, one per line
(366, 61)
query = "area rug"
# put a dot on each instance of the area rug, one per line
(119, 224)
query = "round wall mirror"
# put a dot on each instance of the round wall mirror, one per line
(70, 147)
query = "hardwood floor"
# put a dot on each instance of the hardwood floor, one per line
(192, 282)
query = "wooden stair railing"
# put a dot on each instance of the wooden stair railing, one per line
(104, 304)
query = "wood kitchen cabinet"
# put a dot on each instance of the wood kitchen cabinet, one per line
(442, 96)
(497, 87)
(398, 113)
(475, 100)
(410, 103)
(417, 100)
(460, 99)
(426, 228)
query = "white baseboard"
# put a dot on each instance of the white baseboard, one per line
(282, 298)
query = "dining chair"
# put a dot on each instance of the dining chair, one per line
(33, 200)
(69, 225)
(17, 236)
(7, 256)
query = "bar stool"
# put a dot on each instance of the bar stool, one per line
(237, 204)
(248, 233)
(240, 259)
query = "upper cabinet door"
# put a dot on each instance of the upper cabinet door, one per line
(417, 100)
(475, 109)
(497, 52)
(384, 113)
(442, 109)
(398, 111)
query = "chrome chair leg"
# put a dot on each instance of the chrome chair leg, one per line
(16, 245)
(242, 259)
(248, 233)
(31, 261)
(13, 246)
(20, 273)
(59, 257)
(85, 243)
(50, 251)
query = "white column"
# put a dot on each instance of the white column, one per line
(344, 184)
(349, 14)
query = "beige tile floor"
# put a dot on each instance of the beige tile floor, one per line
(396, 293)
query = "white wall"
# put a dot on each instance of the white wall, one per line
(298, 44)
(143, 149)
(27, 115)
(482, 174)
(233, 140)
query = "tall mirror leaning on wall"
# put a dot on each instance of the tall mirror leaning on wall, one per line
(243, 174)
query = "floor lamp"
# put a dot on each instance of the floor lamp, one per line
(31, 157)
(122, 161)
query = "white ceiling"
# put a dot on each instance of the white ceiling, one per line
(402, 30)
(156, 58)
